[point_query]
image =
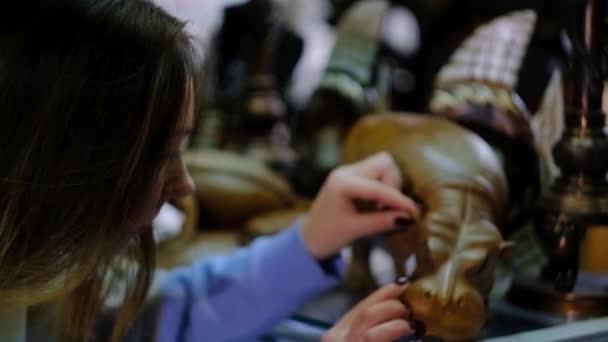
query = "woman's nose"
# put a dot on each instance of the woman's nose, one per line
(181, 184)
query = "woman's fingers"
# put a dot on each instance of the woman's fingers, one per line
(389, 331)
(369, 190)
(385, 311)
(383, 320)
(379, 317)
(377, 222)
(380, 166)
(384, 293)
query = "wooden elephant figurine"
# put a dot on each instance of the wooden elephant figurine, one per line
(459, 180)
(475, 164)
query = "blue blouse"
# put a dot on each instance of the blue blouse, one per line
(242, 295)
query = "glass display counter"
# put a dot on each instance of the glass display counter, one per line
(506, 323)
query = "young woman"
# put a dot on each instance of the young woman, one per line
(96, 100)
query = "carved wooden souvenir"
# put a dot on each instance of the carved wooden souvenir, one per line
(467, 166)
(232, 188)
(342, 95)
(272, 222)
(459, 179)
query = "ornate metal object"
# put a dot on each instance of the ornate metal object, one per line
(578, 197)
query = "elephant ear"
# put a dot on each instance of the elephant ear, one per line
(547, 127)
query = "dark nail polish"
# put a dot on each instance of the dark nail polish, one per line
(401, 280)
(403, 222)
(418, 327)
(408, 315)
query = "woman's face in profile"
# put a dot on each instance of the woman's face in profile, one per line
(173, 180)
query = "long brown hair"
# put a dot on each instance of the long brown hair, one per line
(90, 92)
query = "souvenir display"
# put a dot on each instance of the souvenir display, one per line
(232, 188)
(466, 166)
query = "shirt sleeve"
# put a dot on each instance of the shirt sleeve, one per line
(242, 295)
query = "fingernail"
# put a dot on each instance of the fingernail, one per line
(418, 327)
(408, 315)
(401, 280)
(403, 222)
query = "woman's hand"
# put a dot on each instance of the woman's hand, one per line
(379, 317)
(334, 221)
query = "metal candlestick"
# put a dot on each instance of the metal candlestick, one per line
(578, 198)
